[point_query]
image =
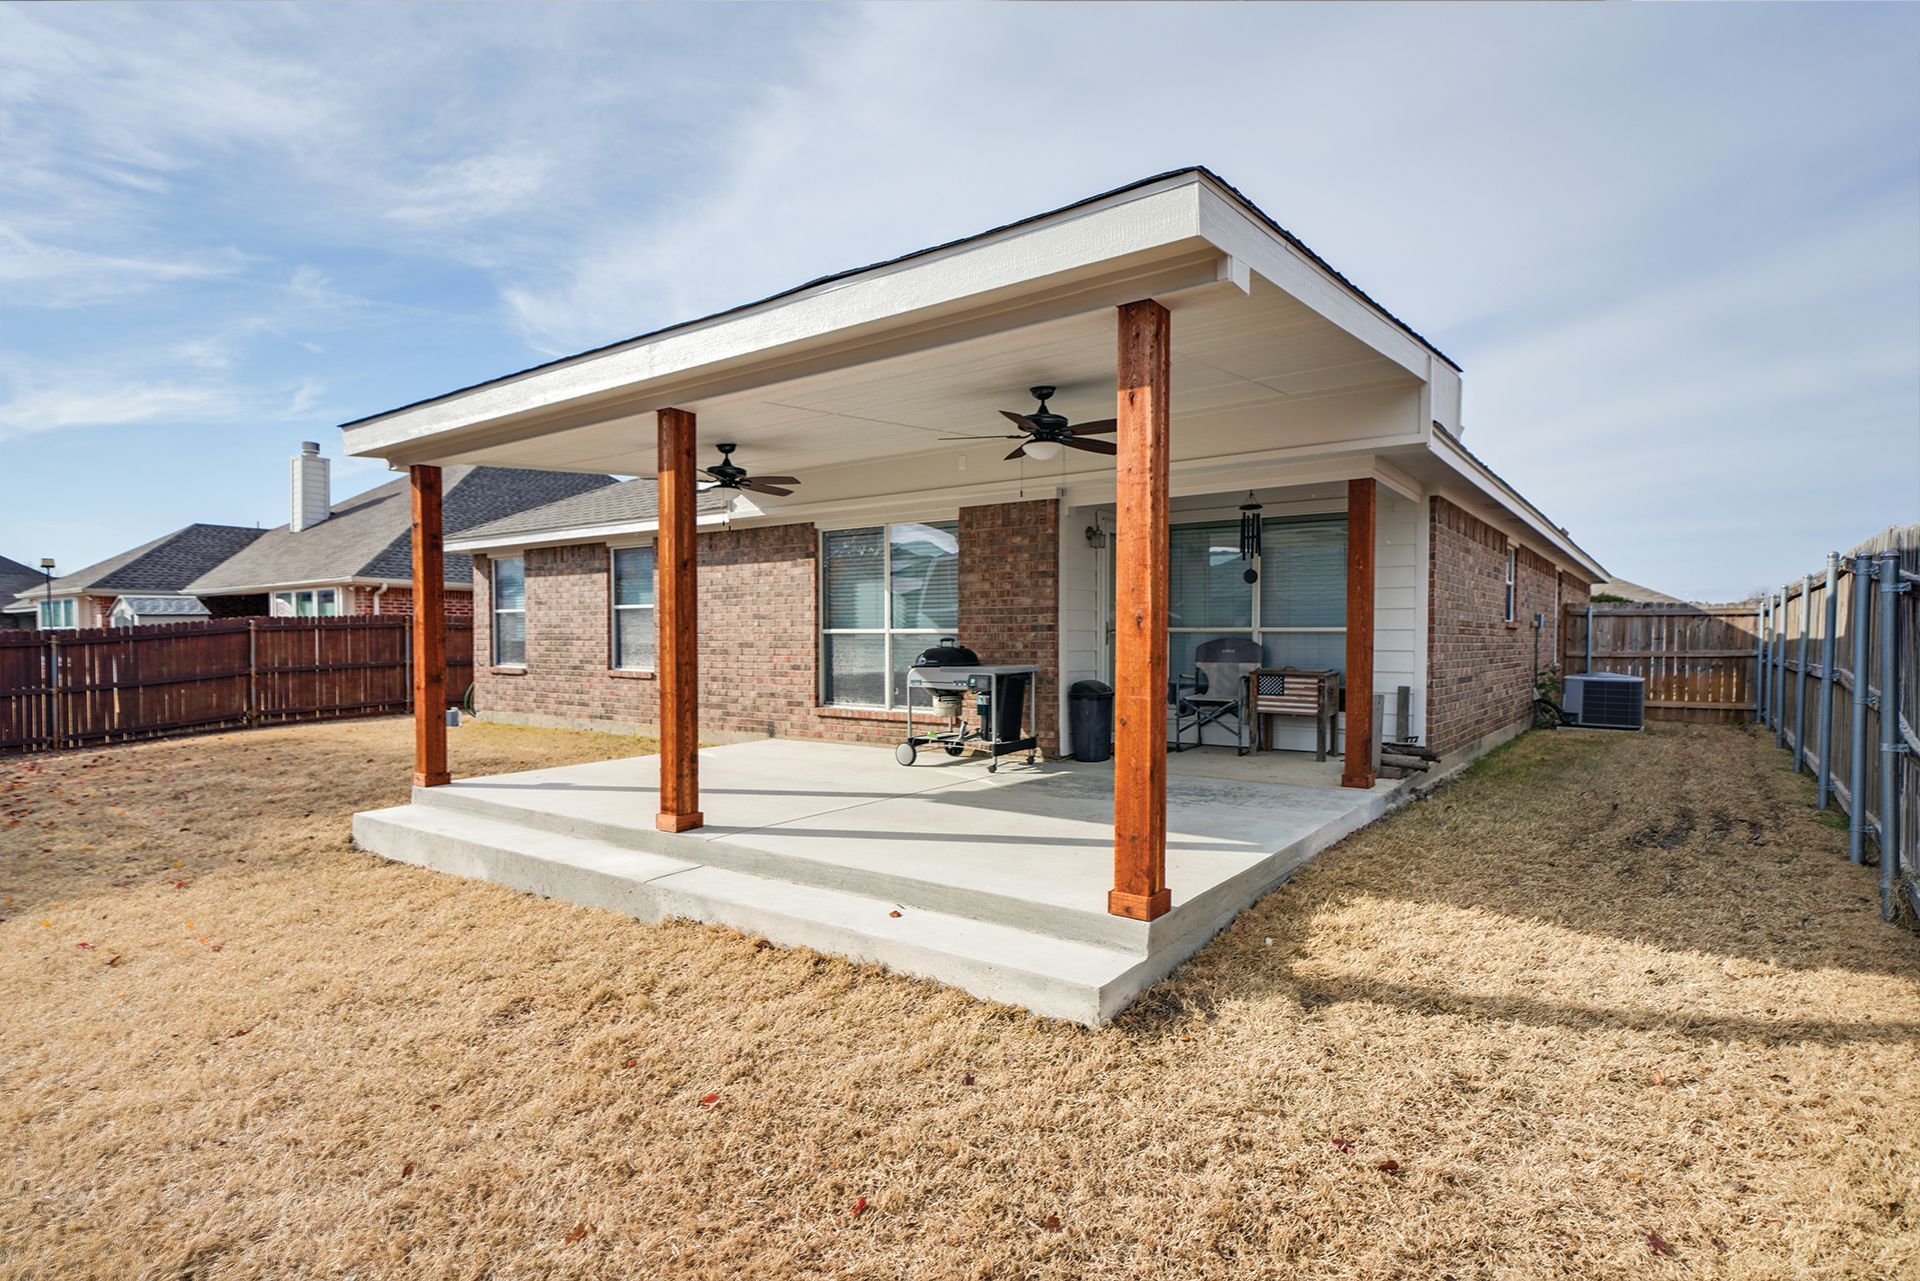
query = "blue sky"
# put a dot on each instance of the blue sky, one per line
(1676, 248)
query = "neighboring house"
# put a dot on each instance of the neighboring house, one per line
(17, 579)
(163, 567)
(1620, 589)
(355, 556)
(134, 611)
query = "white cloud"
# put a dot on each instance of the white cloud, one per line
(51, 275)
(90, 403)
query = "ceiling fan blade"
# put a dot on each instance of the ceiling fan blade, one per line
(995, 436)
(1020, 451)
(776, 480)
(1101, 427)
(1092, 446)
(1021, 421)
(776, 490)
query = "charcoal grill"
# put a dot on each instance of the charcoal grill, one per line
(955, 677)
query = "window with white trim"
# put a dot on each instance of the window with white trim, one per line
(319, 602)
(1296, 607)
(633, 628)
(1512, 553)
(60, 615)
(886, 593)
(509, 578)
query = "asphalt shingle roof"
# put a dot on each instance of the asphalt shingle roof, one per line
(167, 564)
(623, 504)
(370, 535)
(167, 606)
(16, 578)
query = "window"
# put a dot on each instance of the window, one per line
(886, 593)
(509, 612)
(1511, 553)
(633, 607)
(60, 615)
(1296, 608)
(322, 602)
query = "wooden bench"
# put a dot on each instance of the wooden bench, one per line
(1297, 691)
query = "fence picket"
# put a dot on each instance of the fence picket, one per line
(105, 685)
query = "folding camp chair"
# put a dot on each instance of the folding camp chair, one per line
(1216, 691)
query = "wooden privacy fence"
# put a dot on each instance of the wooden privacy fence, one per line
(1700, 662)
(102, 685)
(1840, 688)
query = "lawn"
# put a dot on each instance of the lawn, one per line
(1607, 1006)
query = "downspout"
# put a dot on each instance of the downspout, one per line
(378, 592)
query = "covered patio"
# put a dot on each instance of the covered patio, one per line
(996, 883)
(1230, 358)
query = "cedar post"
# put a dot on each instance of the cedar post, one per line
(1357, 761)
(429, 631)
(1140, 616)
(677, 620)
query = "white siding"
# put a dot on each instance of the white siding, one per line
(1080, 608)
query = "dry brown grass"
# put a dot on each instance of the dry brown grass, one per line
(1604, 987)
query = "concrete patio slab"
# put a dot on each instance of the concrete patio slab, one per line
(1001, 877)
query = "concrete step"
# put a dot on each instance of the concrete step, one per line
(736, 850)
(1062, 978)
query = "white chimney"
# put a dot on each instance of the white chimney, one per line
(312, 494)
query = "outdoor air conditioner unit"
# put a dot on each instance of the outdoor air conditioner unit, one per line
(1606, 700)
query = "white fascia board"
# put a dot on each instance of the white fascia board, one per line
(1479, 477)
(1225, 223)
(995, 270)
(584, 533)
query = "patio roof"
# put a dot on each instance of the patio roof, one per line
(1280, 366)
(840, 369)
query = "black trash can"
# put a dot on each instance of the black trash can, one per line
(1090, 720)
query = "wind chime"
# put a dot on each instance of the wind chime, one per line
(1250, 535)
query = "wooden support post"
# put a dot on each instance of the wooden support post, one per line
(429, 631)
(678, 637)
(1357, 760)
(1141, 554)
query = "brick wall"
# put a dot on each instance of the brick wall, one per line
(398, 601)
(759, 636)
(1480, 667)
(1010, 594)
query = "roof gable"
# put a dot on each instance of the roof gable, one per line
(370, 535)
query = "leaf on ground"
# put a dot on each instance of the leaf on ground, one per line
(242, 1032)
(1388, 1166)
(895, 912)
(710, 1102)
(114, 959)
(406, 1170)
(967, 1079)
(578, 1233)
(1659, 1077)
(1053, 1224)
(859, 1207)
(1658, 1244)
(1345, 1145)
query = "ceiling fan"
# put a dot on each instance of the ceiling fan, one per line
(727, 474)
(1044, 433)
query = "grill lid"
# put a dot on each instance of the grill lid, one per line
(947, 654)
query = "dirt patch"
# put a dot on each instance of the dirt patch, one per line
(1461, 1043)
